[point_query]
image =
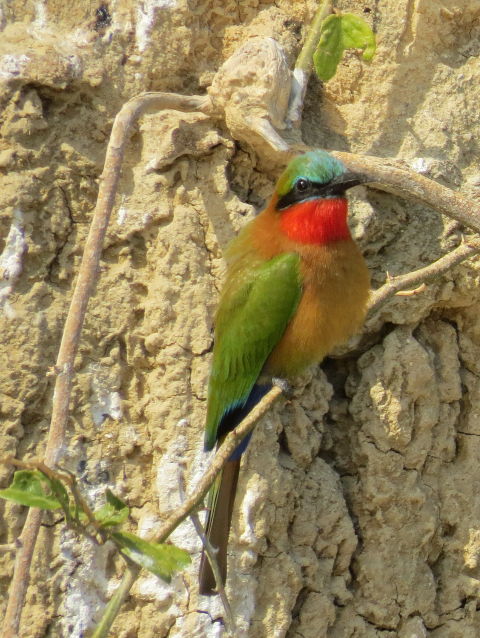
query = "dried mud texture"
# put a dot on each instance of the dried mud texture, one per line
(359, 510)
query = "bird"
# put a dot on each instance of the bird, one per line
(296, 286)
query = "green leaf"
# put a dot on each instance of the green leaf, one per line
(357, 34)
(160, 559)
(338, 33)
(329, 50)
(31, 488)
(114, 512)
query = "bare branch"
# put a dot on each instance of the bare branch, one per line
(116, 601)
(21, 573)
(393, 177)
(232, 440)
(88, 272)
(395, 285)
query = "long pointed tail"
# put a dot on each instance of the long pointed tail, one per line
(220, 503)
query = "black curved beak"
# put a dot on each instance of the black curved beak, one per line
(340, 184)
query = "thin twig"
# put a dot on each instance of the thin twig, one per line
(116, 601)
(221, 457)
(7, 547)
(80, 503)
(88, 272)
(396, 284)
(21, 573)
(87, 277)
(211, 553)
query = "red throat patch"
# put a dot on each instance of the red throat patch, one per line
(317, 221)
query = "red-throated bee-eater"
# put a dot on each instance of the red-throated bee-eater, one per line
(296, 286)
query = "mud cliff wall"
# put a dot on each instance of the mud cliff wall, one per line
(359, 509)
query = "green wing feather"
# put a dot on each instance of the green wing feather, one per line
(254, 311)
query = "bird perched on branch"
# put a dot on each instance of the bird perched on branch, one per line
(296, 287)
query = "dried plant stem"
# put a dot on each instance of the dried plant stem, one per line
(221, 457)
(21, 574)
(395, 285)
(87, 277)
(211, 552)
(116, 601)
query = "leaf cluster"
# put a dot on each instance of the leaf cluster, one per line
(52, 490)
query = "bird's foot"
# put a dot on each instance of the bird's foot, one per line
(284, 386)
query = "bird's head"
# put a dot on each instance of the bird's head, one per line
(310, 198)
(314, 175)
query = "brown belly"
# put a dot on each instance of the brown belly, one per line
(336, 286)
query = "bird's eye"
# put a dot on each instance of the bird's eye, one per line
(302, 184)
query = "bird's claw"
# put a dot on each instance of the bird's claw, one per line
(284, 386)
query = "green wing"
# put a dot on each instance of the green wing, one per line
(254, 311)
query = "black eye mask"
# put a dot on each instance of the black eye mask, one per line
(304, 189)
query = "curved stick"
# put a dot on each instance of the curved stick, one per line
(389, 175)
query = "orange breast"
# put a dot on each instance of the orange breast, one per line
(336, 286)
(332, 308)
